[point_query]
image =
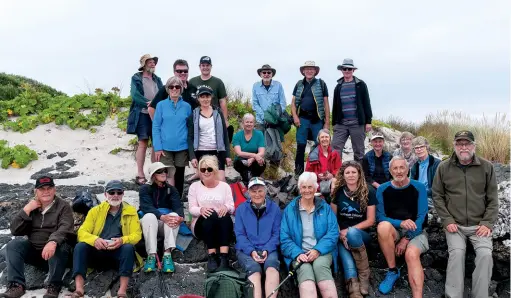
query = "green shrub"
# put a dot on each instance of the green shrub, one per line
(13, 85)
(18, 156)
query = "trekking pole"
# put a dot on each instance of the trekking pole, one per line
(295, 265)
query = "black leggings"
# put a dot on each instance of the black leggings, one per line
(179, 180)
(255, 169)
(215, 231)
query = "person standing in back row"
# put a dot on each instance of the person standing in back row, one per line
(310, 109)
(351, 111)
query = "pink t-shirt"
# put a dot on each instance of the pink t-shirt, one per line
(201, 196)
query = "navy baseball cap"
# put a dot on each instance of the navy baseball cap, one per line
(114, 185)
(205, 60)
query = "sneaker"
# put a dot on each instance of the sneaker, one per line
(388, 283)
(14, 290)
(52, 291)
(150, 264)
(168, 264)
(212, 262)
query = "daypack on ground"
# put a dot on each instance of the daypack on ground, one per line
(239, 193)
(228, 284)
(84, 201)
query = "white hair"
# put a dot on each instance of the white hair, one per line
(246, 116)
(398, 157)
(308, 178)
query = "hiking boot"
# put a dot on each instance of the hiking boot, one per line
(212, 262)
(150, 264)
(168, 264)
(14, 290)
(353, 288)
(52, 291)
(362, 263)
(224, 261)
(388, 283)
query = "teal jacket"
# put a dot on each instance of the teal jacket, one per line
(138, 100)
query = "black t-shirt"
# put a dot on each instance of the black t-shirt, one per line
(188, 95)
(348, 211)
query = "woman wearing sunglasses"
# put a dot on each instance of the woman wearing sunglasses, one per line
(170, 133)
(211, 204)
(354, 204)
(162, 213)
(207, 133)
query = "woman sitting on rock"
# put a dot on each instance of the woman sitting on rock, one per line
(163, 213)
(211, 204)
(309, 235)
(207, 133)
(405, 149)
(324, 162)
(249, 146)
(355, 206)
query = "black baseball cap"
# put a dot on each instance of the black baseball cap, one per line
(204, 90)
(44, 181)
(464, 135)
(205, 60)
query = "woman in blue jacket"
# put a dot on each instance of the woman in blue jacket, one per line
(309, 234)
(257, 230)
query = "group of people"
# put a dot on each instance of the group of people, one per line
(329, 221)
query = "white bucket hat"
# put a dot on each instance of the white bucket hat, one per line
(153, 168)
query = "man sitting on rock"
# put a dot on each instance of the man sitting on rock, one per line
(47, 220)
(257, 229)
(402, 212)
(109, 232)
(465, 197)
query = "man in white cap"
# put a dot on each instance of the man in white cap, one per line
(144, 86)
(351, 111)
(163, 213)
(310, 109)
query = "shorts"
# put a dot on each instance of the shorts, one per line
(251, 266)
(420, 241)
(219, 154)
(174, 159)
(318, 271)
(144, 128)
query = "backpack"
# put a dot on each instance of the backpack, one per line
(84, 201)
(239, 193)
(228, 284)
(274, 151)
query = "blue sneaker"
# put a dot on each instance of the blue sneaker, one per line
(388, 283)
(150, 264)
(168, 264)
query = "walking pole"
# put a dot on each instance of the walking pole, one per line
(295, 265)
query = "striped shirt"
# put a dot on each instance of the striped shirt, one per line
(349, 103)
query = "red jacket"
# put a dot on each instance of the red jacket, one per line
(316, 156)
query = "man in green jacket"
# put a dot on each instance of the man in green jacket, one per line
(465, 197)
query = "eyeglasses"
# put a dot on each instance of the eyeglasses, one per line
(181, 70)
(461, 145)
(177, 87)
(266, 72)
(209, 169)
(419, 148)
(161, 171)
(346, 69)
(113, 192)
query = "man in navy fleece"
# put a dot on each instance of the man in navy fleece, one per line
(402, 212)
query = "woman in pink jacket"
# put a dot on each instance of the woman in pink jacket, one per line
(211, 205)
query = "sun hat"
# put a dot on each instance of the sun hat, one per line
(309, 64)
(346, 63)
(266, 67)
(144, 58)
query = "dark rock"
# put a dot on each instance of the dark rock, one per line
(65, 165)
(62, 154)
(50, 156)
(101, 182)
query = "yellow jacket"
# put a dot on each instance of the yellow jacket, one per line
(95, 220)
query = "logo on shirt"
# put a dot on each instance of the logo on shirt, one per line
(348, 209)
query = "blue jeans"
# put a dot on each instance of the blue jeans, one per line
(356, 238)
(303, 131)
(123, 257)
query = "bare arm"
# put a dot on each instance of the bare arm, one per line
(237, 150)
(371, 218)
(151, 112)
(327, 112)
(293, 107)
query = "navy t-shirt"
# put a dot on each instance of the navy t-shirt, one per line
(348, 211)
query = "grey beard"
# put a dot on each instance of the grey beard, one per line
(150, 69)
(114, 203)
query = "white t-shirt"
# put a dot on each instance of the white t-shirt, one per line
(207, 135)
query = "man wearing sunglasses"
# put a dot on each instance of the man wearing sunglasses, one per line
(109, 234)
(181, 71)
(48, 222)
(265, 93)
(351, 111)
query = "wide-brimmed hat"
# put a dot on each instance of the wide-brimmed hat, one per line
(266, 67)
(346, 63)
(144, 58)
(155, 166)
(309, 64)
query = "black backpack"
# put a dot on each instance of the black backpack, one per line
(84, 201)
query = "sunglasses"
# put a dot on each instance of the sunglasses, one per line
(161, 171)
(118, 192)
(209, 169)
(266, 72)
(177, 87)
(181, 70)
(347, 69)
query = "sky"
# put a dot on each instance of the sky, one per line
(417, 58)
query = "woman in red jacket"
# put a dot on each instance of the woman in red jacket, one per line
(324, 161)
